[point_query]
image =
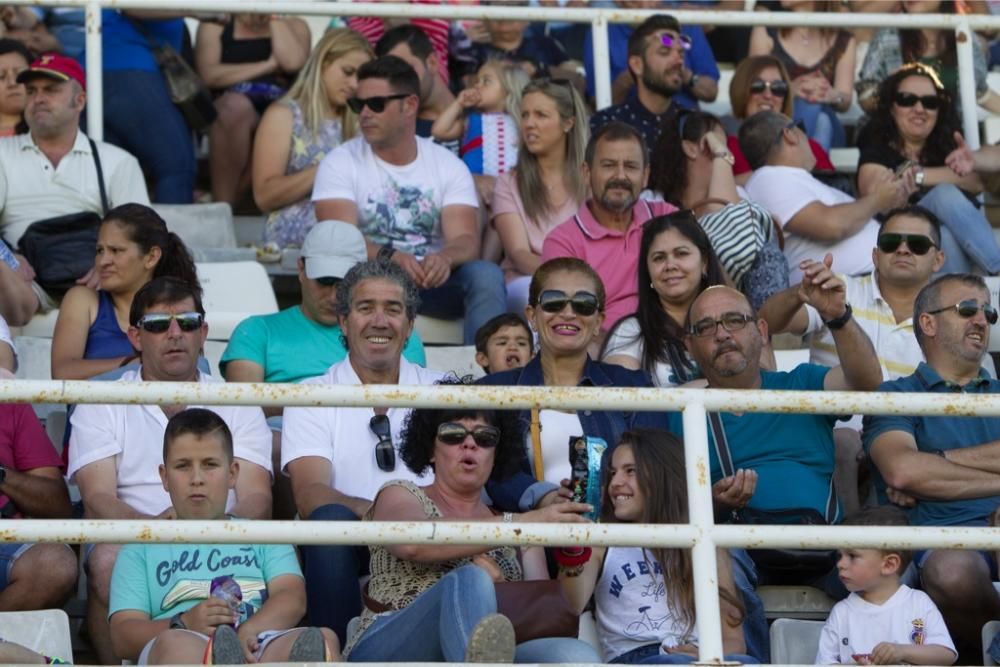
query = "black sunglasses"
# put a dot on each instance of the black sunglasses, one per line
(451, 433)
(160, 322)
(376, 103)
(730, 322)
(968, 308)
(917, 243)
(554, 300)
(385, 453)
(777, 87)
(907, 100)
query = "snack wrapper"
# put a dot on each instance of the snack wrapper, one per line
(585, 454)
(227, 589)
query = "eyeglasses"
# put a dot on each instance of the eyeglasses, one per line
(730, 322)
(968, 308)
(376, 103)
(777, 87)
(159, 322)
(451, 433)
(385, 453)
(681, 42)
(555, 300)
(917, 243)
(328, 281)
(907, 100)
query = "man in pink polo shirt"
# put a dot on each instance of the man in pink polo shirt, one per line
(607, 230)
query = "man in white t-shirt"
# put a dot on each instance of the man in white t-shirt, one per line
(338, 458)
(115, 450)
(414, 201)
(817, 218)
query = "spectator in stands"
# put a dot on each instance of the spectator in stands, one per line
(414, 201)
(249, 61)
(700, 76)
(537, 54)
(297, 133)
(338, 458)
(820, 62)
(693, 169)
(565, 309)
(646, 484)
(67, 25)
(303, 341)
(25, 25)
(964, 161)
(109, 454)
(438, 602)
(50, 172)
(374, 28)
(503, 343)
(761, 83)
(912, 130)
(91, 333)
(14, 59)
(606, 230)
(891, 48)
(199, 471)
(944, 467)
(676, 264)
(138, 113)
(8, 353)
(656, 52)
(817, 219)
(546, 188)
(412, 45)
(33, 576)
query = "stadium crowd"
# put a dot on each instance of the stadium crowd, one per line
(458, 170)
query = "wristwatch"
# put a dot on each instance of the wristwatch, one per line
(919, 178)
(385, 253)
(693, 80)
(724, 155)
(176, 623)
(839, 322)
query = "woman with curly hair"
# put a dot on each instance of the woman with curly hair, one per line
(912, 131)
(434, 603)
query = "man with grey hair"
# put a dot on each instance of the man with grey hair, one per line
(51, 171)
(947, 469)
(817, 219)
(338, 458)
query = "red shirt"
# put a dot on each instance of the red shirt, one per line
(742, 166)
(24, 445)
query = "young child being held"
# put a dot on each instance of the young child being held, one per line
(504, 342)
(882, 622)
(484, 117)
(234, 603)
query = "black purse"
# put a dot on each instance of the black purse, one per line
(61, 249)
(800, 564)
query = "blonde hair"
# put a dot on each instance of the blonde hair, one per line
(513, 79)
(528, 173)
(308, 90)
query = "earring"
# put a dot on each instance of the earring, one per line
(651, 285)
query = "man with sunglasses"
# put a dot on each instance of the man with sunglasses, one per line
(338, 458)
(115, 450)
(817, 218)
(945, 469)
(414, 201)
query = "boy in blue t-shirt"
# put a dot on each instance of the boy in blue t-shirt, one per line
(163, 608)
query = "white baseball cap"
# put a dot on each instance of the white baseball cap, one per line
(331, 248)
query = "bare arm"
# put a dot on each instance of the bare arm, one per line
(272, 187)
(69, 339)
(39, 493)
(870, 175)
(253, 491)
(888, 653)
(284, 607)
(8, 361)
(732, 624)
(579, 589)
(831, 224)
(514, 238)
(311, 477)
(451, 123)
(842, 92)
(924, 475)
(705, 88)
(760, 42)
(785, 312)
(985, 457)
(340, 209)
(460, 230)
(98, 482)
(211, 69)
(622, 360)
(244, 370)
(290, 42)
(131, 630)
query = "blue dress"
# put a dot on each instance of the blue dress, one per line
(105, 339)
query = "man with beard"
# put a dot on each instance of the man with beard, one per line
(947, 469)
(656, 60)
(607, 229)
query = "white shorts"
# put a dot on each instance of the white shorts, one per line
(263, 638)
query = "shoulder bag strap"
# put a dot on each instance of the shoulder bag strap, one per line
(100, 176)
(536, 444)
(721, 444)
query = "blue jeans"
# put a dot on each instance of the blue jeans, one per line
(822, 124)
(139, 117)
(435, 627)
(755, 632)
(966, 237)
(333, 595)
(476, 290)
(650, 655)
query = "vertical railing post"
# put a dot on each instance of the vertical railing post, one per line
(700, 514)
(965, 41)
(602, 62)
(95, 81)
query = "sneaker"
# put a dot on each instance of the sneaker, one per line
(492, 640)
(226, 649)
(309, 646)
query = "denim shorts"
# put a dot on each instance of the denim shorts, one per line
(9, 553)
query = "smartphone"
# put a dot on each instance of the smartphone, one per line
(901, 169)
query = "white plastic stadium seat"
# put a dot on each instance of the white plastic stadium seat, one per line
(234, 291)
(434, 331)
(460, 360)
(796, 602)
(795, 642)
(45, 631)
(993, 283)
(200, 225)
(990, 629)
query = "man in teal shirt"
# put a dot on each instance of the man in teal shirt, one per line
(305, 340)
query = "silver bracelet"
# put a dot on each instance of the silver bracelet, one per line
(508, 517)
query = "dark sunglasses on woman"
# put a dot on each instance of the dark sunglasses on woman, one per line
(917, 243)
(907, 100)
(376, 103)
(554, 300)
(451, 433)
(968, 308)
(160, 322)
(777, 87)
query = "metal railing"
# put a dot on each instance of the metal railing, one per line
(599, 19)
(701, 535)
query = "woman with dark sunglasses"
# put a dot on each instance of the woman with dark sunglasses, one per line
(435, 603)
(909, 136)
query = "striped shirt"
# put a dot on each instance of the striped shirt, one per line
(737, 233)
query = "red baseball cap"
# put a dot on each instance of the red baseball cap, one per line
(55, 66)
